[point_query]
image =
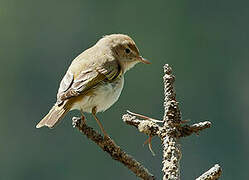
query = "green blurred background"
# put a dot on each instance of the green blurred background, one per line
(206, 43)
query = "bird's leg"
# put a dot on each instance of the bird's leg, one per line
(144, 117)
(82, 116)
(94, 110)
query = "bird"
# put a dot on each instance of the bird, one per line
(95, 79)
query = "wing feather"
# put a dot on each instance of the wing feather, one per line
(72, 86)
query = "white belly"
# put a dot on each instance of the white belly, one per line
(104, 96)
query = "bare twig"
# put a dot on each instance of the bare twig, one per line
(145, 126)
(172, 122)
(171, 131)
(109, 146)
(212, 174)
(187, 130)
(152, 129)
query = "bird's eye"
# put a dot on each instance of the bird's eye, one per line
(127, 50)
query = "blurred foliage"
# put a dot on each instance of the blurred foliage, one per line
(206, 43)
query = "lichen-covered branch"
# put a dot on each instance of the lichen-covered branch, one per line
(172, 122)
(212, 174)
(145, 126)
(109, 146)
(187, 130)
(152, 129)
(171, 131)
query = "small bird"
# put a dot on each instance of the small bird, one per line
(95, 79)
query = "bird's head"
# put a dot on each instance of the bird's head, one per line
(124, 49)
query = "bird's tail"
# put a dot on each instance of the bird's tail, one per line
(54, 116)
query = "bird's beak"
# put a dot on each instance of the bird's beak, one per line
(145, 61)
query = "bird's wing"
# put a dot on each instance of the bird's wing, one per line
(73, 85)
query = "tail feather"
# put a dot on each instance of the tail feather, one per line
(53, 117)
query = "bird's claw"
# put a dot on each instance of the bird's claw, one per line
(76, 122)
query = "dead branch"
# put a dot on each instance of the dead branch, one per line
(212, 174)
(109, 146)
(172, 129)
(169, 133)
(187, 130)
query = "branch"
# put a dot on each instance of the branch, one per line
(145, 126)
(109, 146)
(152, 129)
(171, 131)
(212, 174)
(187, 130)
(172, 122)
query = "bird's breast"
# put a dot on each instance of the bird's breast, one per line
(103, 96)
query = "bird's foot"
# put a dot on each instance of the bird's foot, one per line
(78, 122)
(106, 136)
